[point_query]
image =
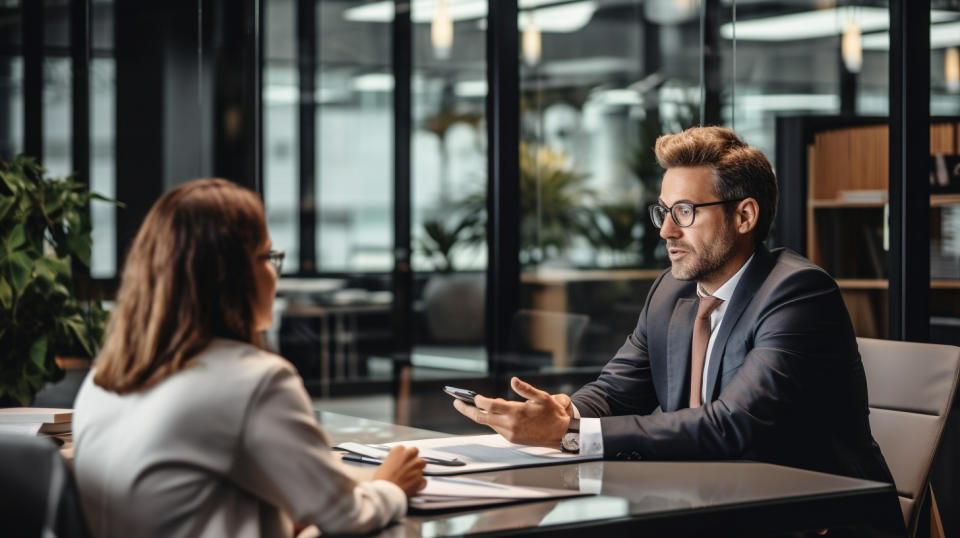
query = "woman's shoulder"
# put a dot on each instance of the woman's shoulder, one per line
(235, 355)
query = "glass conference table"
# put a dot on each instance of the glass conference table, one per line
(652, 498)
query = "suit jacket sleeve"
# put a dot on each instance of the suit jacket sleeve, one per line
(625, 384)
(286, 460)
(798, 341)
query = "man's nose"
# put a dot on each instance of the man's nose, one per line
(670, 230)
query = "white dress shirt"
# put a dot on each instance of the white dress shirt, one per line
(591, 438)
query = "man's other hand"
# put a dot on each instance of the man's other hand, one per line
(541, 420)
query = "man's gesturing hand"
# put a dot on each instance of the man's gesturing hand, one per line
(540, 421)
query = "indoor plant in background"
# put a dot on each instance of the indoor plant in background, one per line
(45, 226)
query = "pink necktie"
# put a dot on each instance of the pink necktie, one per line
(701, 337)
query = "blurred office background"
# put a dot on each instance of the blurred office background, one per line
(461, 185)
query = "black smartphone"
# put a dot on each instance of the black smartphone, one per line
(463, 395)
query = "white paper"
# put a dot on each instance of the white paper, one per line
(487, 453)
(441, 486)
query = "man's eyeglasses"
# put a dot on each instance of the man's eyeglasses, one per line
(683, 213)
(275, 257)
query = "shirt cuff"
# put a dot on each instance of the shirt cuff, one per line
(395, 497)
(591, 438)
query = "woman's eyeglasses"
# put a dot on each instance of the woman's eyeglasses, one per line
(276, 258)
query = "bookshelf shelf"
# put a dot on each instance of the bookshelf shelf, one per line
(835, 203)
(936, 200)
(862, 283)
(939, 200)
(882, 284)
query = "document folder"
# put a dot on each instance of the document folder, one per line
(487, 453)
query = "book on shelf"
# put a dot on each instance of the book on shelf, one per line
(863, 195)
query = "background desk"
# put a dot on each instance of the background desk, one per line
(653, 498)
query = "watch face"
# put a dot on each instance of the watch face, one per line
(571, 442)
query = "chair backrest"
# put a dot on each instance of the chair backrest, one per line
(558, 333)
(911, 388)
(39, 496)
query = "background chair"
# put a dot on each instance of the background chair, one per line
(911, 387)
(556, 337)
(39, 496)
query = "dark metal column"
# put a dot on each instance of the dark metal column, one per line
(711, 76)
(909, 270)
(32, 43)
(402, 273)
(234, 37)
(503, 165)
(139, 37)
(80, 61)
(307, 68)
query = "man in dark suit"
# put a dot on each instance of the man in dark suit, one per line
(740, 351)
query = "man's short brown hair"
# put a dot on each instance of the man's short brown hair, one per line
(741, 170)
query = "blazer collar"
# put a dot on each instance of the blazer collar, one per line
(751, 280)
(678, 351)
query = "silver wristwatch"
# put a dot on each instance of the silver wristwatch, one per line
(570, 442)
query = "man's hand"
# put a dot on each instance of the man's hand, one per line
(540, 421)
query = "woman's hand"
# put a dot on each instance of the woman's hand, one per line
(403, 468)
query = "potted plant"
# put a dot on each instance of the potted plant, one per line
(45, 225)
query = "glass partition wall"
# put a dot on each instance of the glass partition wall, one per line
(298, 99)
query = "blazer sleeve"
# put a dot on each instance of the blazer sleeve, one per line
(625, 385)
(285, 460)
(798, 343)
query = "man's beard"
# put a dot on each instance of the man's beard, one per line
(705, 262)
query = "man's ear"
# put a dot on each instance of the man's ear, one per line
(746, 215)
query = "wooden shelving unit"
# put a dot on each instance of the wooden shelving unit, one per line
(846, 178)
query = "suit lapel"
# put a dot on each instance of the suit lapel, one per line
(751, 280)
(678, 351)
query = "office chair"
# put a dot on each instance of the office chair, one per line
(554, 339)
(911, 388)
(39, 496)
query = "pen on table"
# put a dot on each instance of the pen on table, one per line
(350, 456)
(362, 453)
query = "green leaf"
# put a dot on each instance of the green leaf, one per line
(20, 269)
(17, 237)
(6, 294)
(54, 203)
(53, 268)
(12, 180)
(6, 203)
(73, 221)
(38, 352)
(102, 198)
(81, 245)
(78, 328)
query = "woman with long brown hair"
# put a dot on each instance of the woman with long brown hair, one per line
(186, 427)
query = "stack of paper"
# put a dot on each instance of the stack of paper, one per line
(447, 492)
(39, 421)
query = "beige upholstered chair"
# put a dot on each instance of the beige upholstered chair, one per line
(911, 388)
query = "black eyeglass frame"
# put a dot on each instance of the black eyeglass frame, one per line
(693, 207)
(276, 258)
